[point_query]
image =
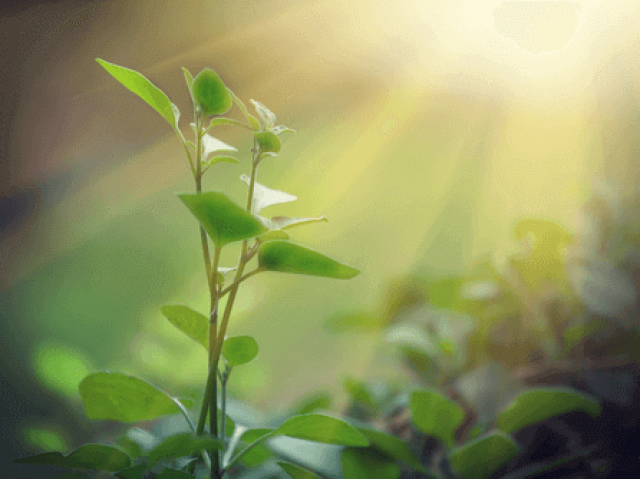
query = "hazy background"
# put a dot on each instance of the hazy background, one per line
(425, 130)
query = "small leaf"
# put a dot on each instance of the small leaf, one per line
(251, 119)
(142, 87)
(118, 397)
(268, 141)
(190, 322)
(182, 445)
(544, 231)
(284, 222)
(484, 456)
(211, 145)
(168, 473)
(367, 464)
(358, 392)
(226, 121)
(266, 115)
(435, 415)
(321, 428)
(222, 219)
(282, 129)
(286, 257)
(189, 79)
(536, 405)
(218, 159)
(313, 402)
(88, 456)
(272, 236)
(210, 93)
(239, 350)
(263, 196)
(297, 472)
(393, 447)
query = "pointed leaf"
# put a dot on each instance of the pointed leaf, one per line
(227, 121)
(211, 145)
(284, 222)
(393, 447)
(142, 87)
(190, 322)
(263, 196)
(536, 405)
(282, 129)
(367, 464)
(210, 93)
(266, 115)
(182, 445)
(189, 79)
(484, 455)
(239, 350)
(88, 456)
(435, 415)
(321, 428)
(218, 159)
(268, 141)
(313, 402)
(288, 257)
(297, 472)
(118, 397)
(255, 124)
(223, 220)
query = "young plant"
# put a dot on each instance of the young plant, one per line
(119, 397)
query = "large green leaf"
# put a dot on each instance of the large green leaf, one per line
(392, 447)
(210, 94)
(88, 456)
(484, 456)
(436, 415)
(367, 464)
(182, 445)
(286, 257)
(321, 428)
(190, 322)
(263, 196)
(118, 397)
(146, 90)
(297, 472)
(222, 219)
(239, 350)
(536, 405)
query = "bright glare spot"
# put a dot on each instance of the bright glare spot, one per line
(60, 367)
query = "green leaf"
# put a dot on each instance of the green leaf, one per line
(252, 435)
(168, 473)
(393, 447)
(284, 222)
(273, 235)
(190, 322)
(146, 90)
(251, 119)
(239, 350)
(435, 415)
(189, 79)
(88, 456)
(229, 424)
(223, 220)
(313, 402)
(268, 141)
(263, 196)
(297, 472)
(282, 129)
(484, 455)
(536, 405)
(227, 121)
(134, 472)
(182, 445)
(321, 428)
(286, 257)
(210, 93)
(118, 397)
(358, 392)
(367, 464)
(214, 160)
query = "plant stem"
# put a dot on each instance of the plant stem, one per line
(238, 281)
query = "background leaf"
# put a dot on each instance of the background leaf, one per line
(222, 219)
(393, 447)
(367, 464)
(118, 397)
(436, 415)
(321, 428)
(286, 257)
(297, 472)
(190, 322)
(88, 456)
(239, 350)
(182, 445)
(483, 456)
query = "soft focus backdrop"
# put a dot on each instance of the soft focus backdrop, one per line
(425, 129)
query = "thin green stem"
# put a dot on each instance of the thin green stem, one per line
(237, 457)
(240, 280)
